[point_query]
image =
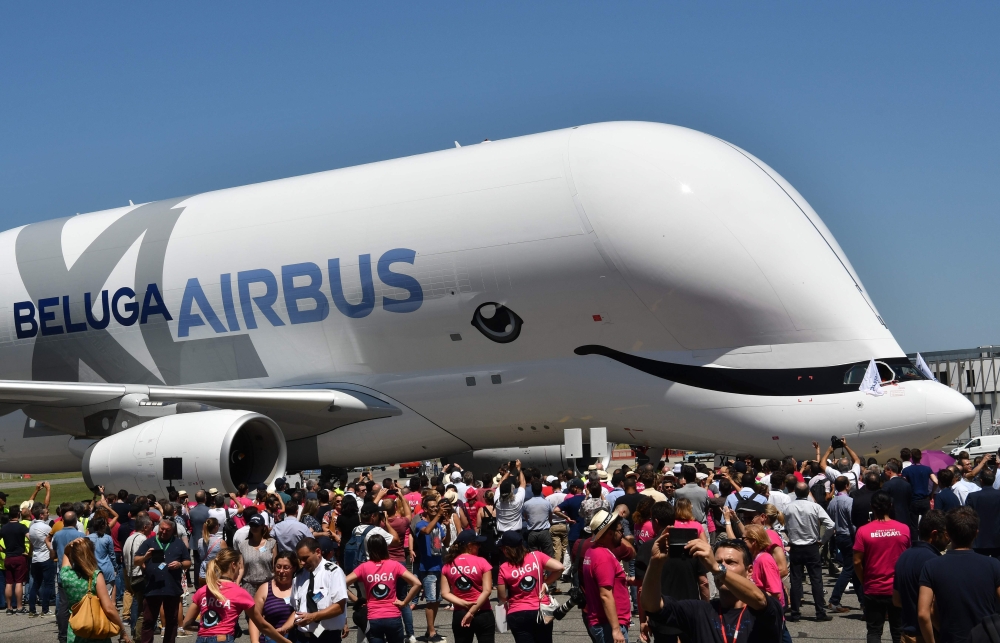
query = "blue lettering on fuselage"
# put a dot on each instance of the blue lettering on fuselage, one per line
(301, 283)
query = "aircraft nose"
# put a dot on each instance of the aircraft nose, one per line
(948, 410)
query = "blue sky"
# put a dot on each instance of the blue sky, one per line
(885, 116)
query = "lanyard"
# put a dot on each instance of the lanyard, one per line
(736, 634)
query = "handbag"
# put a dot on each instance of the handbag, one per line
(546, 610)
(500, 616)
(88, 619)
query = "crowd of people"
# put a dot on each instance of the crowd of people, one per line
(682, 551)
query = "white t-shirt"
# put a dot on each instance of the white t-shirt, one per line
(360, 529)
(509, 512)
(220, 515)
(128, 553)
(36, 536)
(853, 475)
(329, 587)
(555, 499)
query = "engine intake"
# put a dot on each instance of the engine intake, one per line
(192, 451)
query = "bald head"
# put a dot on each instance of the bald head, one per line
(801, 490)
(69, 518)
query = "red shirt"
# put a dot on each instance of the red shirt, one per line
(523, 582)
(546, 491)
(767, 577)
(465, 577)
(600, 569)
(219, 617)
(881, 543)
(379, 580)
(397, 548)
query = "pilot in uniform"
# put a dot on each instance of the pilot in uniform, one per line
(316, 590)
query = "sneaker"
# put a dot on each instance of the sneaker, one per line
(837, 609)
(32, 614)
(47, 614)
(437, 638)
(825, 617)
(23, 610)
(411, 639)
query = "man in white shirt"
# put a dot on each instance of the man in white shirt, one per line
(319, 595)
(965, 485)
(43, 568)
(135, 579)
(460, 487)
(371, 520)
(777, 496)
(844, 466)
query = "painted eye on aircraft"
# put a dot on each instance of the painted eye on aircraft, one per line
(497, 322)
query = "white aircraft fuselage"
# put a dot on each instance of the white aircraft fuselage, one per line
(644, 277)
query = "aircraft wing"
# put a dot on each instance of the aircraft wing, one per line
(321, 408)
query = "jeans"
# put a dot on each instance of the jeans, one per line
(62, 612)
(135, 588)
(806, 556)
(151, 611)
(3, 586)
(603, 633)
(43, 576)
(116, 563)
(482, 628)
(540, 540)
(402, 589)
(845, 545)
(877, 609)
(212, 639)
(384, 630)
(525, 628)
(431, 581)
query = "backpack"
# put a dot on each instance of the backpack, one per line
(229, 529)
(988, 630)
(356, 550)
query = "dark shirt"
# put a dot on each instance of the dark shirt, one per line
(126, 526)
(902, 495)
(122, 509)
(919, 477)
(571, 507)
(986, 504)
(965, 591)
(906, 581)
(13, 534)
(861, 509)
(161, 581)
(631, 501)
(946, 500)
(198, 514)
(698, 621)
(679, 580)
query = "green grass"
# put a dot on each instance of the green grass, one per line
(71, 492)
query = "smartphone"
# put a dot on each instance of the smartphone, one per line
(678, 539)
(512, 465)
(157, 555)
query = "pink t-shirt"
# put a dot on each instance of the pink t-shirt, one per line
(600, 569)
(882, 543)
(645, 532)
(379, 580)
(710, 520)
(219, 617)
(413, 499)
(522, 582)
(690, 524)
(465, 577)
(767, 577)
(775, 539)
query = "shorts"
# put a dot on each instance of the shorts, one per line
(15, 570)
(430, 581)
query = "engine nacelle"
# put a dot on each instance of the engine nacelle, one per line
(191, 451)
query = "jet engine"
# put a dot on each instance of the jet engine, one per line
(219, 448)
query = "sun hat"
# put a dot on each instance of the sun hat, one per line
(602, 521)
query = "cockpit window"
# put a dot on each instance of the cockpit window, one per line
(894, 373)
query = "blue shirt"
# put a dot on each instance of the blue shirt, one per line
(614, 495)
(745, 492)
(430, 547)
(571, 507)
(104, 551)
(965, 591)
(946, 499)
(906, 580)
(63, 537)
(919, 477)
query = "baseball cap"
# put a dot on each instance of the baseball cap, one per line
(456, 476)
(700, 475)
(256, 521)
(326, 544)
(370, 507)
(279, 481)
(262, 487)
(511, 539)
(3, 496)
(740, 466)
(551, 479)
(469, 536)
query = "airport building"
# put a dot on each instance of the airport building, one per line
(973, 373)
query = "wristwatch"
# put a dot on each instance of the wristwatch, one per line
(720, 572)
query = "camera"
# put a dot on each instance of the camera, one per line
(836, 443)
(576, 599)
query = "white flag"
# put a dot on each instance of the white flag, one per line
(924, 369)
(872, 384)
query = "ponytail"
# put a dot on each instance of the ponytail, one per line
(454, 551)
(223, 563)
(208, 529)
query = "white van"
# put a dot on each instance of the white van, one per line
(979, 446)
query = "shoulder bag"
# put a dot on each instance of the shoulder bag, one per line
(88, 619)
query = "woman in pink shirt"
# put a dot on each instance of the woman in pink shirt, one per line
(379, 576)
(221, 600)
(684, 517)
(466, 583)
(642, 520)
(521, 585)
